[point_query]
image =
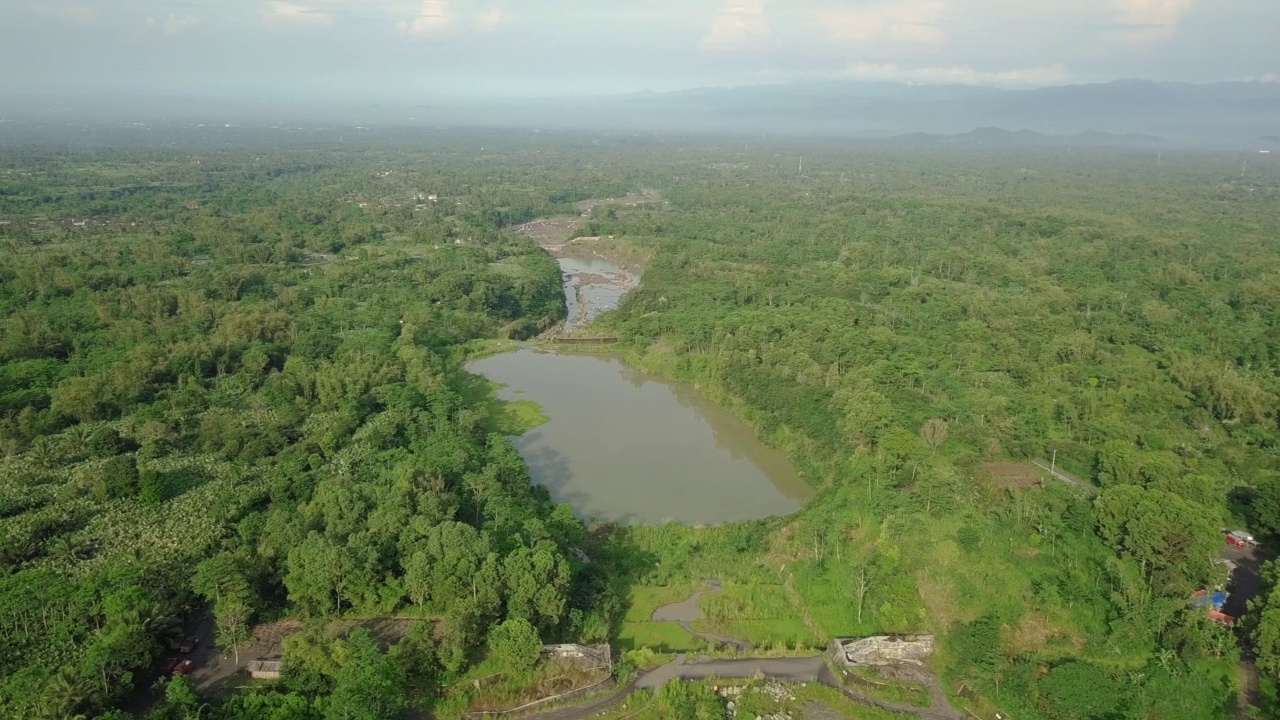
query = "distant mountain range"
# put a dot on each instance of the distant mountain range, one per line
(1217, 113)
(1123, 113)
(996, 137)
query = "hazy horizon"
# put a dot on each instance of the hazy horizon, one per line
(338, 51)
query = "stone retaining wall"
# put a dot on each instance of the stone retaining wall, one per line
(882, 649)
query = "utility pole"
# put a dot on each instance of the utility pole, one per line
(1053, 465)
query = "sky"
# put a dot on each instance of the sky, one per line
(382, 49)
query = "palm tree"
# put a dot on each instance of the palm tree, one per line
(77, 440)
(158, 623)
(63, 695)
(16, 551)
(65, 549)
(43, 453)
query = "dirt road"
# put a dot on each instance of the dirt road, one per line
(687, 611)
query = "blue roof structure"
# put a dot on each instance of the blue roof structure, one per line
(1214, 600)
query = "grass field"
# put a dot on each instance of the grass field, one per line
(662, 637)
(647, 598)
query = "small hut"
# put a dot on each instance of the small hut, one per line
(264, 669)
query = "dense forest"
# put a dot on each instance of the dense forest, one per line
(231, 390)
(902, 322)
(229, 386)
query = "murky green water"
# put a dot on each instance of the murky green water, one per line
(628, 447)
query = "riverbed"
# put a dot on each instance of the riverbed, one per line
(592, 285)
(628, 447)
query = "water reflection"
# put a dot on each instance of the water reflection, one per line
(629, 447)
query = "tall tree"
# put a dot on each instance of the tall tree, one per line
(367, 685)
(934, 433)
(515, 644)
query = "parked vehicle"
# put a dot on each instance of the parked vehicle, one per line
(180, 666)
(188, 643)
(1240, 539)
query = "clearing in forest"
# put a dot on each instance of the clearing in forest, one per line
(1010, 476)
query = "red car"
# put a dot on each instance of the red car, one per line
(1240, 539)
(179, 666)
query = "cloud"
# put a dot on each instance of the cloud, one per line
(958, 74)
(76, 13)
(490, 20)
(738, 24)
(174, 24)
(433, 18)
(1154, 12)
(916, 22)
(1149, 20)
(286, 14)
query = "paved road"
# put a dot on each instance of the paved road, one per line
(1243, 586)
(792, 670)
(687, 611)
(809, 669)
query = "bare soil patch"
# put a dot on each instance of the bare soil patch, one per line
(1010, 476)
(549, 232)
(1034, 632)
(644, 197)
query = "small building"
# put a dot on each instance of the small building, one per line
(882, 649)
(264, 669)
(1213, 600)
(1212, 603)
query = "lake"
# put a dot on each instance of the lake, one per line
(628, 447)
